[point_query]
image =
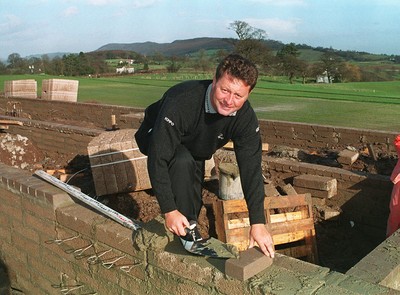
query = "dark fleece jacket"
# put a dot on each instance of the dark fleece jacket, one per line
(179, 117)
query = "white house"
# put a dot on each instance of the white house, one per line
(125, 70)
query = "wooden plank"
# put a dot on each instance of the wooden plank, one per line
(290, 237)
(238, 223)
(239, 206)
(219, 220)
(292, 226)
(11, 122)
(275, 218)
(230, 146)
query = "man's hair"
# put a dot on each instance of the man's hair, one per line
(239, 67)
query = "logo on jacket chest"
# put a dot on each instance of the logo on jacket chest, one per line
(221, 136)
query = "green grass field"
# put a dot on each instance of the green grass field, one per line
(373, 105)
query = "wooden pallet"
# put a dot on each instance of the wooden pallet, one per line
(289, 220)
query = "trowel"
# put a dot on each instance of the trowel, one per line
(209, 247)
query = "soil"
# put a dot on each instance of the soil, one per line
(340, 244)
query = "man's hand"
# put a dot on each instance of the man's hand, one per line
(176, 222)
(260, 235)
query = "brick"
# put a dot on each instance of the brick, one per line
(25, 245)
(318, 201)
(79, 219)
(270, 190)
(315, 182)
(347, 157)
(13, 212)
(250, 263)
(37, 208)
(330, 214)
(26, 232)
(45, 226)
(117, 236)
(289, 189)
(315, 192)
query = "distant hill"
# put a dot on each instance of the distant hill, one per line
(182, 47)
(191, 46)
(178, 47)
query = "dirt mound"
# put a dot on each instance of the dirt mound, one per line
(19, 152)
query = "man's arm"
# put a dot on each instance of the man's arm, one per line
(248, 149)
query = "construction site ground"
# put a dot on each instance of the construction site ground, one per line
(340, 243)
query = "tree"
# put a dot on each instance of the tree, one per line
(202, 61)
(349, 72)
(289, 63)
(244, 31)
(174, 66)
(331, 62)
(17, 64)
(251, 42)
(3, 68)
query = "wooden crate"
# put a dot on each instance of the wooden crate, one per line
(289, 220)
(117, 164)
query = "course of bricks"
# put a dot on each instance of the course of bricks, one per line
(51, 244)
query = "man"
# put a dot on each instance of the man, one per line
(185, 127)
(393, 223)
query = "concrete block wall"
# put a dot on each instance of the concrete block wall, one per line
(51, 244)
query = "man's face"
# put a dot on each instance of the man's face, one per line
(228, 94)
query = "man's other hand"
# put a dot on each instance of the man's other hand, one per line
(260, 235)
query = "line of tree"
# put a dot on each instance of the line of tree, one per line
(283, 59)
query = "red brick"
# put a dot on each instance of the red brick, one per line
(16, 267)
(10, 252)
(25, 244)
(11, 211)
(250, 263)
(41, 225)
(38, 208)
(62, 262)
(26, 232)
(9, 198)
(115, 235)
(45, 279)
(79, 219)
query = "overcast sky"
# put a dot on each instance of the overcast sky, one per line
(46, 26)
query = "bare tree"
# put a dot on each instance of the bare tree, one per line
(244, 31)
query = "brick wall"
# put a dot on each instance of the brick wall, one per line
(309, 136)
(51, 244)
